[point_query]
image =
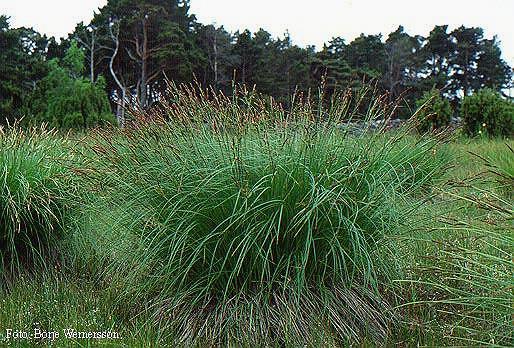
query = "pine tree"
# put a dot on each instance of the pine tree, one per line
(492, 71)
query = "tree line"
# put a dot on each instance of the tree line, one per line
(131, 48)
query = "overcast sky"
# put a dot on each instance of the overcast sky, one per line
(309, 22)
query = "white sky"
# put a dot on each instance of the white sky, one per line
(309, 22)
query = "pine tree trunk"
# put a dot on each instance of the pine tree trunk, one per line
(215, 47)
(144, 67)
(92, 57)
(120, 111)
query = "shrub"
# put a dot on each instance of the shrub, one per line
(271, 227)
(32, 177)
(487, 113)
(65, 100)
(434, 112)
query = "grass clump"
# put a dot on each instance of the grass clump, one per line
(32, 181)
(270, 225)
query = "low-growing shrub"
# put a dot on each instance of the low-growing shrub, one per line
(487, 113)
(32, 180)
(434, 112)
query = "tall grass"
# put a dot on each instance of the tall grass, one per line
(491, 156)
(51, 302)
(500, 163)
(232, 217)
(462, 268)
(32, 182)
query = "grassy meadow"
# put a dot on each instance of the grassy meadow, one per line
(231, 222)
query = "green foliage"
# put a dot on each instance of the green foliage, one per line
(215, 45)
(332, 70)
(487, 113)
(495, 72)
(32, 181)
(457, 291)
(155, 40)
(73, 61)
(367, 53)
(81, 104)
(436, 52)
(65, 100)
(22, 64)
(464, 59)
(434, 112)
(159, 39)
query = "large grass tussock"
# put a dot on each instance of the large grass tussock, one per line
(32, 183)
(217, 230)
